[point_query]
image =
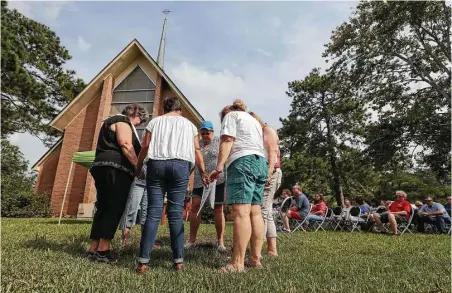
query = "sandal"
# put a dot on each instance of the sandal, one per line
(229, 268)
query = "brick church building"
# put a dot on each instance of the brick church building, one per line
(133, 76)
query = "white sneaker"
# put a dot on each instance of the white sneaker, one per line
(222, 249)
(189, 245)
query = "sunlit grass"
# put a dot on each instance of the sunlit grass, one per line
(39, 256)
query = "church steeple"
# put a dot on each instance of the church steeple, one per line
(161, 54)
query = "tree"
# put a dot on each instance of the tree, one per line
(17, 186)
(317, 137)
(35, 86)
(397, 57)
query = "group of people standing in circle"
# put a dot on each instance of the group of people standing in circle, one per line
(244, 160)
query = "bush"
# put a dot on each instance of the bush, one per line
(25, 206)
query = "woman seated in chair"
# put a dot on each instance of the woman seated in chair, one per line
(319, 208)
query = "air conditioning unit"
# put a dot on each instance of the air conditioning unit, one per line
(85, 211)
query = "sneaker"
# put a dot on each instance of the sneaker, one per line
(90, 254)
(284, 230)
(107, 258)
(189, 245)
(222, 249)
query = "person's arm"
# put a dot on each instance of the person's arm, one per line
(439, 212)
(143, 152)
(271, 146)
(124, 138)
(199, 159)
(226, 143)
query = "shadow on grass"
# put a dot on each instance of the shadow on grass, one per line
(203, 254)
(51, 221)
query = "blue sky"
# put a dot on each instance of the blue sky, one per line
(216, 51)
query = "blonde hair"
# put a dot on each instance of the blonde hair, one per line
(240, 103)
(262, 123)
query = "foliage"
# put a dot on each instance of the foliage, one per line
(396, 56)
(35, 86)
(324, 121)
(359, 262)
(17, 186)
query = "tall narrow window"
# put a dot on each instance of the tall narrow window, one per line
(136, 88)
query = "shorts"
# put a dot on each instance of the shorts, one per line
(399, 218)
(245, 180)
(295, 215)
(219, 193)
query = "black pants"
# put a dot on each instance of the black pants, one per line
(112, 187)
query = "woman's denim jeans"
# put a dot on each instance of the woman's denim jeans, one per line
(170, 177)
(137, 192)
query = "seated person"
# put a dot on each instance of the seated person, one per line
(318, 211)
(299, 211)
(434, 213)
(345, 214)
(284, 194)
(364, 211)
(397, 212)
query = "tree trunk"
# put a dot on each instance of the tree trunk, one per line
(337, 186)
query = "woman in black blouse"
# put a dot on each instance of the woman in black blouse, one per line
(113, 169)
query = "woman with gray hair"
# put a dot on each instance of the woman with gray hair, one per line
(113, 169)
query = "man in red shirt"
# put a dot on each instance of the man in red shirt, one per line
(399, 211)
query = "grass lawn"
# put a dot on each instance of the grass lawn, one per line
(39, 256)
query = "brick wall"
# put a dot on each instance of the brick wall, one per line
(103, 112)
(47, 171)
(78, 136)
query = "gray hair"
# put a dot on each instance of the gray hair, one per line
(135, 110)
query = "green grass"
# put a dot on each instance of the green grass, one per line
(39, 256)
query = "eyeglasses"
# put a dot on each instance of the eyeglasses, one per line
(428, 200)
(205, 133)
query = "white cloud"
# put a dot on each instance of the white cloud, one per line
(261, 86)
(46, 11)
(23, 7)
(83, 45)
(276, 23)
(263, 52)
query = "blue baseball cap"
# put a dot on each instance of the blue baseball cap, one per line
(206, 125)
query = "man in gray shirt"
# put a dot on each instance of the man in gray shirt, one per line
(434, 213)
(300, 210)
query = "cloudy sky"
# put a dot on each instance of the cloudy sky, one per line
(216, 51)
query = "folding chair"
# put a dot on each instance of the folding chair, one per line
(318, 224)
(355, 219)
(406, 225)
(336, 218)
(298, 224)
(281, 213)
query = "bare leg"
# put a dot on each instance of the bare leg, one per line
(194, 220)
(393, 223)
(241, 234)
(257, 234)
(378, 221)
(285, 216)
(271, 246)
(219, 220)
